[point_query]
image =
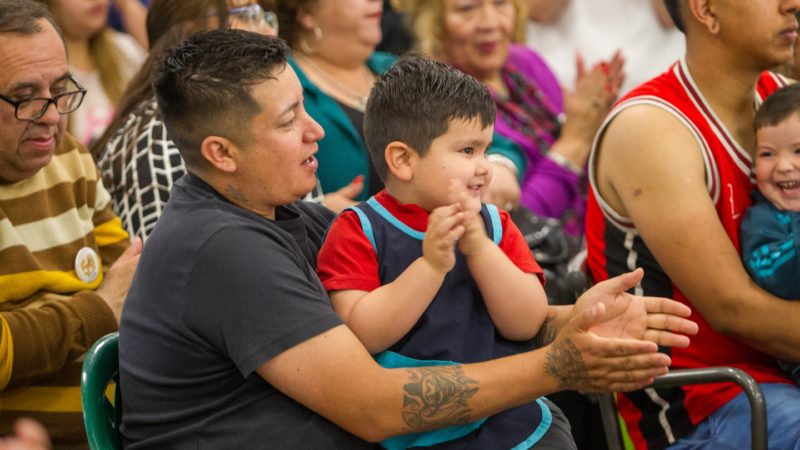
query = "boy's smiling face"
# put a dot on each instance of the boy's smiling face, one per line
(778, 163)
(457, 158)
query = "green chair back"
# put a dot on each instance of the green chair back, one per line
(101, 417)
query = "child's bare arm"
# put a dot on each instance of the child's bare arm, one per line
(515, 300)
(382, 317)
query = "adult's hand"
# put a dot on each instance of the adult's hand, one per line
(118, 278)
(586, 107)
(656, 319)
(346, 196)
(28, 435)
(503, 191)
(582, 360)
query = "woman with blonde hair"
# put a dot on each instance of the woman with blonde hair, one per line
(554, 128)
(101, 59)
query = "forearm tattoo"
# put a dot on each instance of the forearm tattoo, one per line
(436, 397)
(547, 332)
(565, 364)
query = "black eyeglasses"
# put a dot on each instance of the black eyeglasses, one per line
(33, 108)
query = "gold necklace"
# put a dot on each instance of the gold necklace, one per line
(359, 101)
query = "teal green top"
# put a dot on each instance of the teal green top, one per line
(342, 153)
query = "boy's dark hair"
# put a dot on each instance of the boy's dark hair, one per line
(414, 102)
(203, 86)
(674, 9)
(779, 106)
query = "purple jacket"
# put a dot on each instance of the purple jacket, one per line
(547, 188)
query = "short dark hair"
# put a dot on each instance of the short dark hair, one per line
(414, 102)
(203, 86)
(24, 17)
(779, 106)
(674, 10)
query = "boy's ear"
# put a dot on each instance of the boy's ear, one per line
(400, 160)
(220, 152)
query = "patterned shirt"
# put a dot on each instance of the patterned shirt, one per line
(139, 166)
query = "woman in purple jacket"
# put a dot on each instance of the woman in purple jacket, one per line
(555, 128)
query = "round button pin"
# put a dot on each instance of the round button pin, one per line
(87, 264)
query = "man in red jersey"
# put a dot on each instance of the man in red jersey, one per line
(670, 175)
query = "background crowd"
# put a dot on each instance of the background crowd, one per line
(582, 159)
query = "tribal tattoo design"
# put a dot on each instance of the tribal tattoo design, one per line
(437, 397)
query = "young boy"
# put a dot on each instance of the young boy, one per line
(423, 273)
(771, 227)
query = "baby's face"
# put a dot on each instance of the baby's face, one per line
(777, 162)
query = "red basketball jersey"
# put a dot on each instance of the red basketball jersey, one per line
(656, 418)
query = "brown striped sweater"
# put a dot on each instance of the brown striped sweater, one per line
(49, 316)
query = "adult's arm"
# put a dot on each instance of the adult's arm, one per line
(52, 329)
(38, 342)
(136, 183)
(40, 339)
(510, 163)
(650, 169)
(334, 375)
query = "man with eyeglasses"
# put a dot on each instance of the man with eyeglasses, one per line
(58, 235)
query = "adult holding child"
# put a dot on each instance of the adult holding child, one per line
(241, 344)
(481, 38)
(670, 184)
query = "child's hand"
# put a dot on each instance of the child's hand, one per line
(474, 237)
(474, 230)
(445, 226)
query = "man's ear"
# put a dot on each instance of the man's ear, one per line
(221, 153)
(705, 13)
(400, 159)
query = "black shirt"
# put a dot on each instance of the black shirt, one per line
(218, 292)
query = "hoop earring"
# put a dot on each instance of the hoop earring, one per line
(307, 49)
